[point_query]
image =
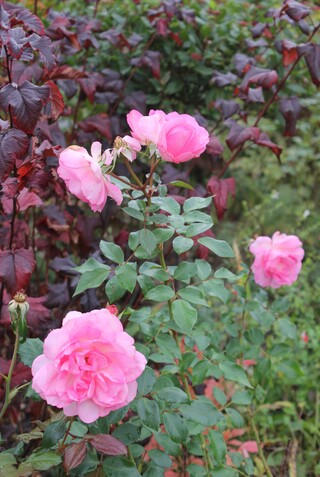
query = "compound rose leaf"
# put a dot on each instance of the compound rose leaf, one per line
(25, 102)
(16, 267)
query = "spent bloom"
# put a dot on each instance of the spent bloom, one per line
(278, 260)
(89, 366)
(84, 176)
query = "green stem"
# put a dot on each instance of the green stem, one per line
(209, 465)
(134, 175)
(260, 450)
(123, 180)
(8, 378)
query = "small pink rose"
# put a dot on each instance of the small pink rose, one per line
(84, 178)
(89, 367)
(278, 260)
(181, 138)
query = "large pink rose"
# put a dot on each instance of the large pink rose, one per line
(89, 366)
(84, 178)
(181, 138)
(277, 260)
(146, 129)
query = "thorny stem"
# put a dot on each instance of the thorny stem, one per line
(260, 450)
(267, 105)
(8, 378)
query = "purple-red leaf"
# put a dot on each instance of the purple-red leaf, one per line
(25, 102)
(255, 95)
(312, 58)
(74, 455)
(238, 135)
(243, 63)
(108, 445)
(16, 267)
(20, 15)
(43, 45)
(264, 140)
(214, 147)
(259, 76)
(291, 110)
(13, 145)
(289, 52)
(223, 79)
(295, 10)
(4, 19)
(221, 189)
(98, 122)
(227, 107)
(55, 100)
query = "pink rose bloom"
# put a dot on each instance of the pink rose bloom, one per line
(181, 138)
(146, 129)
(84, 178)
(277, 260)
(89, 366)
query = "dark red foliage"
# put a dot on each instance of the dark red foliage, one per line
(16, 267)
(221, 189)
(25, 102)
(14, 145)
(312, 57)
(259, 76)
(291, 110)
